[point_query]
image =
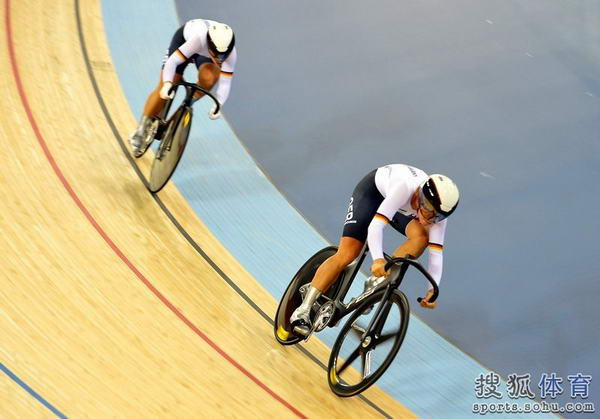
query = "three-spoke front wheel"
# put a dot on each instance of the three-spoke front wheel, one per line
(360, 356)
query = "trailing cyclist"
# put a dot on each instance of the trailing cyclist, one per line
(414, 203)
(211, 46)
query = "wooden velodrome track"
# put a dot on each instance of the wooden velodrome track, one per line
(109, 306)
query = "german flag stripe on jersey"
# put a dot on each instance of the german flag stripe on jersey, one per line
(226, 73)
(435, 246)
(381, 218)
(181, 54)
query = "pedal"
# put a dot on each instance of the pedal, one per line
(302, 329)
(140, 151)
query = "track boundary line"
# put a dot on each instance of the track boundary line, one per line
(104, 235)
(173, 219)
(31, 391)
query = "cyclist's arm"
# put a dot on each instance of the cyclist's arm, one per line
(436, 250)
(396, 198)
(180, 55)
(224, 84)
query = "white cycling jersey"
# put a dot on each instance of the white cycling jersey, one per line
(397, 183)
(195, 34)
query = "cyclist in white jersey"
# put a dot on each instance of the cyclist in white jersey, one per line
(211, 46)
(414, 203)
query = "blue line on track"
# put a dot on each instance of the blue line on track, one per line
(258, 226)
(31, 391)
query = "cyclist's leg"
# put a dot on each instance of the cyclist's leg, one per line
(363, 204)
(328, 272)
(208, 74)
(154, 103)
(416, 239)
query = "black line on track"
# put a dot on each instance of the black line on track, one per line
(168, 213)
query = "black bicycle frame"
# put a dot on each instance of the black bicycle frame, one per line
(189, 100)
(398, 267)
(191, 88)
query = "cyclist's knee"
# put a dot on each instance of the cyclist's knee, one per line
(421, 245)
(346, 253)
(343, 258)
(418, 244)
(208, 74)
(420, 239)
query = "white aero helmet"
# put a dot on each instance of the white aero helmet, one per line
(221, 41)
(439, 194)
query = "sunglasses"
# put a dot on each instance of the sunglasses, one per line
(428, 211)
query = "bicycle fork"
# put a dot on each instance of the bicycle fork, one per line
(373, 330)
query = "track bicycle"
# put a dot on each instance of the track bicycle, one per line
(173, 133)
(378, 319)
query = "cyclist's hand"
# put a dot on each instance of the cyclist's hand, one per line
(165, 91)
(214, 115)
(425, 301)
(378, 268)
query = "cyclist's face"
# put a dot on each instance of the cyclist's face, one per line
(426, 213)
(423, 219)
(214, 58)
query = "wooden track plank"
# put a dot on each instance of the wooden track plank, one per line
(89, 333)
(21, 403)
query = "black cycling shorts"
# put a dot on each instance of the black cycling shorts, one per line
(177, 41)
(364, 202)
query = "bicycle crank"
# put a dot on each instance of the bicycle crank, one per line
(324, 316)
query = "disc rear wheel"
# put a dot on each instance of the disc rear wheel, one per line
(292, 297)
(171, 149)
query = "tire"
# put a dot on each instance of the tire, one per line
(351, 382)
(291, 298)
(179, 127)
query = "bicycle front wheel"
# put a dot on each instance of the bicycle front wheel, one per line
(171, 149)
(360, 356)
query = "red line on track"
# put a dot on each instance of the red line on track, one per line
(107, 239)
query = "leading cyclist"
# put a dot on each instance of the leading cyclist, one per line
(211, 46)
(414, 203)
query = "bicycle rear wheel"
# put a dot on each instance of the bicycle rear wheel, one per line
(155, 127)
(359, 357)
(292, 298)
(171, 149)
